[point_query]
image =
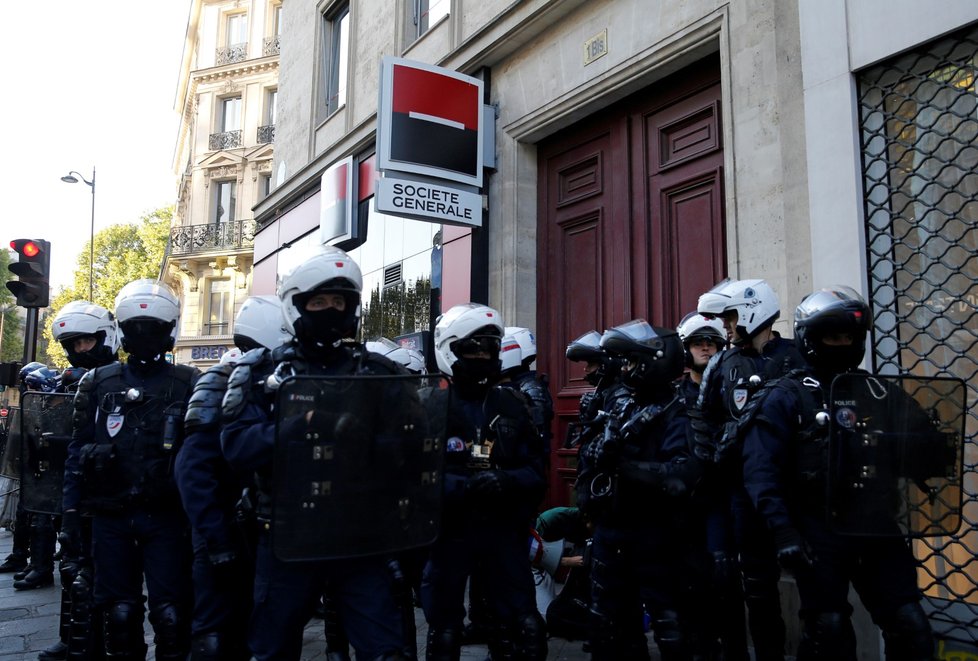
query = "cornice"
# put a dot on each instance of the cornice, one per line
(245, 68)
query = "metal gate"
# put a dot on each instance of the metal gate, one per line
(919, 144)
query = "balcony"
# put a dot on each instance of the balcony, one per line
(226, 140)
(271, 46)
(212, 237)
(233, 53)
(266, 134)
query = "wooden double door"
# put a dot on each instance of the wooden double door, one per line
(630, 225)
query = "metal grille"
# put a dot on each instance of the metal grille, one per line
(919, 144)
(226, 140)
(212, 237)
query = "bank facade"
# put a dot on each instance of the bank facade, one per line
(642, 151)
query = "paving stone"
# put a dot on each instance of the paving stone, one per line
(13, 613)
(12, 644)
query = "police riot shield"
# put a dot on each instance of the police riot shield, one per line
(896, 453)
(10, 462)
(358, 466)
(45, 420)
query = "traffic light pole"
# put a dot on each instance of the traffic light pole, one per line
(30, 335)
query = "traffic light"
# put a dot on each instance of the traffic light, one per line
(34, 269)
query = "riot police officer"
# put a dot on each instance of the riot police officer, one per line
(639, 473)
(493, 480)
(321, 299)
(748, 309)
(516, 371)
(702, 339)
(90, 338)
(603, 371)
(223, 568)
(127, 430)
(785, 463)
(17, 560)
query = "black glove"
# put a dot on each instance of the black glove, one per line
(489, 486)
(724, 568)
(794, 554)
(70, 535)
(703, 436)
(227, 571)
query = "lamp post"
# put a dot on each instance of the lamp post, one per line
(70, 178)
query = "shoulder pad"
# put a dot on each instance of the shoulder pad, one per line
(87, 382)
(204, 407)
(239, 384)
(186, 373)
(375, 363)
(254, 357)
(509, 402)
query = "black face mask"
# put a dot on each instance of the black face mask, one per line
(836, 360)
(320, 332)
(147, 340)
(593, 378)
(474, 376)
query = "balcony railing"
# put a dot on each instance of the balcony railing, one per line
(233, 53)
(232, 235)
(226, 140)
(266, 134)
(271, 46)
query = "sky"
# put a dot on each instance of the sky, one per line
(88, 84)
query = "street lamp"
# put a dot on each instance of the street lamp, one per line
(70, 178)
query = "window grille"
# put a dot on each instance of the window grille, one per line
(919, 144)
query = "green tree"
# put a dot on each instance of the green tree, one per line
(12, 342)
(123, 253)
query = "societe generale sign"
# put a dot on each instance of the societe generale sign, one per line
(430, 122)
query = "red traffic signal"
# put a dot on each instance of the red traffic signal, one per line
(33, 267)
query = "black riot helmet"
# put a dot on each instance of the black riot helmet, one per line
(832, 311)
(587, 349)
(653, 356)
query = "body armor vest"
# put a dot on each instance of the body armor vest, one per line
(138, 430)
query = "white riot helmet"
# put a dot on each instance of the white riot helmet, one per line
(510, 354)
(479, 325)
(81, 319)
(695, 326)
(411, 359)
(756, 304)
(231, 356)
(148, 313)
(331, 271)
(527, 341)
(260, 322)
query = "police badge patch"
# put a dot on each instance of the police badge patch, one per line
(113, 423)
(740, 397)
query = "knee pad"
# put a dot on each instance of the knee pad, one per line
(667, 634)
(827, 636)
(530, 637)
(444, 644)
(124, 631)
(206, 647)
(907, 634)
(172, 632)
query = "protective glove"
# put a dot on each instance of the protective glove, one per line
(70, 536)
(488, 486)
(794, 554)
(227, 570)
(702, 435)
(724, 568)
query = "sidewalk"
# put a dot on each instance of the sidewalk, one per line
(29, 623)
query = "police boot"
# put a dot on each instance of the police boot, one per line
(35, 578)
(827, 637)
(443, 644)
(15, 562)
(907, 634)
(54, 653)
(668, 636)
(764, 618)
(337, 644)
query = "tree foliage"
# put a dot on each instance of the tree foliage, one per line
(397, 310)
(12, 342)
(123, 253)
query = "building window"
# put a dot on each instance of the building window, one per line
(220, 297)
(918, 133)
(231, 114)
(336, 35)
(235, 48)
(226, 198)
(264, 185)
(272, 44)
(266, 132)
(425, 14)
